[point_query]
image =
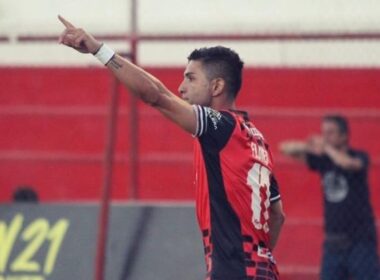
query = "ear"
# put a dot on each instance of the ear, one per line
(217, 86)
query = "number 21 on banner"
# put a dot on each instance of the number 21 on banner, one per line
(34, 235)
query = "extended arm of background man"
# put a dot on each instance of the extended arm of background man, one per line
(299, 149)
(148, 88)
(294, 148)
(276, 221)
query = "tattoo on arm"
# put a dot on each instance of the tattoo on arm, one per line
(114, 64)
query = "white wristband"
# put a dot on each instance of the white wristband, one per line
(104, 54)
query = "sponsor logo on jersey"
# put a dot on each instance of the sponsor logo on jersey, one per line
(214, 116)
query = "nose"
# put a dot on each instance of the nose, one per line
(181, 88)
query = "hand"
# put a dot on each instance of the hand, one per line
(77, 38)
(316, 145)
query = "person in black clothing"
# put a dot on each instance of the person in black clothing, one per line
(350, 247)
(25, 194)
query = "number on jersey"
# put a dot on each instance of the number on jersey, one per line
(259, 180)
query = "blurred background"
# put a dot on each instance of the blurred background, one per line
(69, 130)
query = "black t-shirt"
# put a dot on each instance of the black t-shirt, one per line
(347, 209)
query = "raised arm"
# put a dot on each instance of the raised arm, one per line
(151, 91)
(145, 86)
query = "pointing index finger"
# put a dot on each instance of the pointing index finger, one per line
(66, 23)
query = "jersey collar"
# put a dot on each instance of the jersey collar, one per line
(244, 114)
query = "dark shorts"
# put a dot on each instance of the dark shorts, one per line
(358, 260)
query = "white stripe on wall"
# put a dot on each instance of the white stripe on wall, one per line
(167, 54)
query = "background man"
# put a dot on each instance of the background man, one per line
(350, 248)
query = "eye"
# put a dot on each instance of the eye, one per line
(190, 78)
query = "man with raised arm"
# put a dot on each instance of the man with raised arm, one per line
(238, 204)
(350, 247)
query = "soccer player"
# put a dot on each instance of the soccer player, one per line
(350, 247)
(238, 204)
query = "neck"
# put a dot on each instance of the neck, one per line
(223, 106)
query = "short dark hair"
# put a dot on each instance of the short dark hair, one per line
(221, 62)
(340, 121)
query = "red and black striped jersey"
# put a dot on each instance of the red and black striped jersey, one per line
(234, 190)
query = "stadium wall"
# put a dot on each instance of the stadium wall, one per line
(53, 131)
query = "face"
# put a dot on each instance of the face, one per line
(332, 135)
(195, 87)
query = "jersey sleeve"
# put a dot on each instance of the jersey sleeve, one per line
(214, 128)
(274, 190)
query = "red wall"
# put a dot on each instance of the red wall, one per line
(53, 125)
